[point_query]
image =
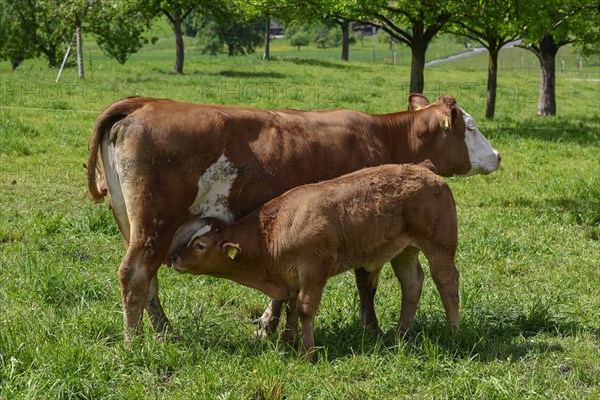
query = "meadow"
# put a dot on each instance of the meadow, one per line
(529, 250)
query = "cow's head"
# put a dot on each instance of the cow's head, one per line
(199, 248)
(447, 135)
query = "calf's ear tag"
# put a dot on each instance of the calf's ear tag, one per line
(232, 252)
(418, 108)
(446, 123)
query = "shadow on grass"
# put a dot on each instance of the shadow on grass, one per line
(583, 131)
(318, 63)
(251, 74)
(485, 336)
(581, 206)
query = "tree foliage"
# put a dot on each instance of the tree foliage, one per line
(571, 21)
(226, 26)
(414, 23)
(119, 30)
(299, 39)
(15, 44)
(30, 28)
(39, 28)
(499, 27)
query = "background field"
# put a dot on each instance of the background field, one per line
(529, 250)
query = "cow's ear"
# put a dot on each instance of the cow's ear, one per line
(416, 101)
(455, 115)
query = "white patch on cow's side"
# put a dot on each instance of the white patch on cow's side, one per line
(213, 190)
(483, 157)
(115, 190)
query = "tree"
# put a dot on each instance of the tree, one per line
(14, 43)
(414, 23)
(46, 26)
(300, 38)
(339, 12)
(497, 28)
(119, 29)
(549, 26)
(41, 27)
(218, 31)
(176, 11)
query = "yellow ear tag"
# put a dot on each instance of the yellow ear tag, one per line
(446, 123)
(232, 252)
(418, 108)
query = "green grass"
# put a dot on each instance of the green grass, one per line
(529, 252)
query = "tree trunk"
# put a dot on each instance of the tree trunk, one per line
(345, 40)
(492, 81)
(267, 53)
(177, 21)
(80, 73)
(51, 55)
(417, 65)
(230, 49)
(547, 100)
(16, 61)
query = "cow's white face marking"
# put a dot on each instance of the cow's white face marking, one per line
(483, 157)
(213, 190)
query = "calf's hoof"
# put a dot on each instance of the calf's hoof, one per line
(289, 336)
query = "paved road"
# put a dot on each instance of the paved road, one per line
(474, 51)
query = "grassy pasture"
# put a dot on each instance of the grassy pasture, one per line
(529, 250)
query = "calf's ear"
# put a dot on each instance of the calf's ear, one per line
(416, 101)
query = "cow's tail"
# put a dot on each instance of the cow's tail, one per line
(115, 112)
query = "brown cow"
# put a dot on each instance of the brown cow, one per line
(295, 242)
(163, 163)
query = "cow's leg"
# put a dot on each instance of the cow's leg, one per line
(160, 322)
(366, 283)
(445, 275)
(410, 274)
(269, 320)
(290, 331)
(134, 276)
(137, 272)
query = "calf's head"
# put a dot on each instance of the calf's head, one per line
(448, 136)
(200, 249)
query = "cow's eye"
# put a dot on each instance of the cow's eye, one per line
(200, 246)
(471, 128)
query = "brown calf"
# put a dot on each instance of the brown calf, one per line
(294, 243)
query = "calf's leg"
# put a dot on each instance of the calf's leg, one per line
(410, 274)
(445, 275)
(308, 303)
(366, 282)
